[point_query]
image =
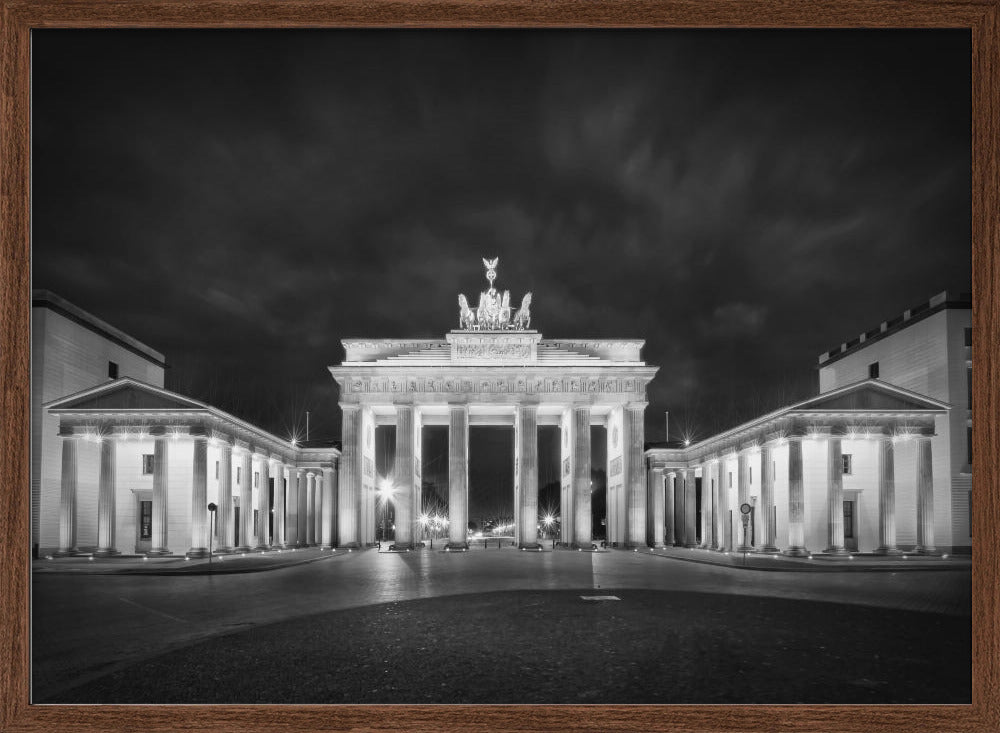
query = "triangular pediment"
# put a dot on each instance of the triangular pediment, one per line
(871, 396)
(125, 394)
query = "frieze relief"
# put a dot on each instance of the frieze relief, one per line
(503, 385)
(616, 466)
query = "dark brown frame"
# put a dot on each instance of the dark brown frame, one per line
(20, 16)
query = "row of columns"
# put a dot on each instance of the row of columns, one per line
(305, 523)
(406, 497)
(716, 529)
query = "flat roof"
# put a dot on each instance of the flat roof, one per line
(58, 304)
(942, 301)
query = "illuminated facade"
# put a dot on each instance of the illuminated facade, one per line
(124, 466)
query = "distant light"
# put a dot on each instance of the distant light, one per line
(904, 557)
(144, 558)
(810, 557)
(686, 442)
(186, 559)
(91, 558)
(49, 557)
(944, 557)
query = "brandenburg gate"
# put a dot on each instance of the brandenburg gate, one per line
(494, 370)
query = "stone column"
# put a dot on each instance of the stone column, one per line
(796, 501)
(707, 505)
(106, 499)
(676, 483)
(767, 527)
(721, 509)
(743, 497)
(199, 498)
(301, 508)
(835, 498)
(403, 478)
(292, 508)
(582, 522)
(633, 431)
(458, 476)
(669, 531)
(329, 518)
(160, 452)
(318, 509)
(690, 507)
(310, 528)
(263, 505)
(349, 479)
(658, 501)
(67, 497)
(886, 498)
(526, 435)
(227, 531)
(246, 500)
(925, 497)
(279, 505)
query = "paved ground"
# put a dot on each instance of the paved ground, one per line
(87, 626)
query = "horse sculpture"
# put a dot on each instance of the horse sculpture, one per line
(522, 318)
(466, 316)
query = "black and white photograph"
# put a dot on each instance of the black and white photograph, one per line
(521, 366)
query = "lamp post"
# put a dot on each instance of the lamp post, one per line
(385, 493)
(424, 519)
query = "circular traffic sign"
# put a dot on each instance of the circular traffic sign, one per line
(746, 508)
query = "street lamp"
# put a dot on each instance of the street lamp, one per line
(385, 493)
(548, 525)
(423, 527)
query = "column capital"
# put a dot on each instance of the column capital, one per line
(349, 406)
(636, 405)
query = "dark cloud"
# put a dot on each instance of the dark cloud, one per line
(742, 200)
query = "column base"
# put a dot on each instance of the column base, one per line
(769, 549)
(689, 545)
(197, 552)
(745, 548)
(223, 551)
(796, 552)
(158, 552)
(837, 551)
(243, 548)
(931, 550)
(659, 545)
(349, 546)
(262, 547)
(106, 552)
(459, 546)
(888, 551)
(66, 553)
(529, 546)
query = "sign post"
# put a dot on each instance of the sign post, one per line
(745, 510)
(211, 509)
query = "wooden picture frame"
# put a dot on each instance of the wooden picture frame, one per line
(19, 17)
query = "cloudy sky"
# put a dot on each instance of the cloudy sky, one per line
(743, 201)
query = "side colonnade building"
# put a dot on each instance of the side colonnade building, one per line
(140, 466)
(851, 470)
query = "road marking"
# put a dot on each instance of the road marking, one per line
(152, 610)
(600, 598)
